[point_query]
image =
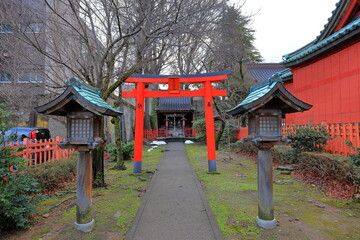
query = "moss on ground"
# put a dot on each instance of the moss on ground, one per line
(301, 210)
(40, 234)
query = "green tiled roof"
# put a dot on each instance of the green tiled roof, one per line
(90, 93)
(285, 74)
(258, 91)
(80, 94)
(312, 48)
(270, 90)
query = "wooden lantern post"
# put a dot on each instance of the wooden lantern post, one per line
(265, 131)
(266, 104)
(83, 108)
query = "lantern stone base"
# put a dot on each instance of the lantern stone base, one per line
(85, 227)
(212, 165)
(267, 224)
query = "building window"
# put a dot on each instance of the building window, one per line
(32, 27)
(5, 77)
(6, 28)
(27, 77)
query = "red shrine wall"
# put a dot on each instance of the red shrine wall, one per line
(331, 85)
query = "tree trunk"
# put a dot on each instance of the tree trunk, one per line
(222, 127)
(32, 119)
(147, 113)
(98, 161)
(98, 167)
(241, 72)
(219, 134)
(120, 162)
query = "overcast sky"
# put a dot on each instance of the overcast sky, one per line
(283, 26)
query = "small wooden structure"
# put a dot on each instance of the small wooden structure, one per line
(174, 115)
(266, 104)
(83, 108)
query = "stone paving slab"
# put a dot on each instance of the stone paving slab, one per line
(174, 206)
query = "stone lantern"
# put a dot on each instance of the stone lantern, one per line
(84, 109)
(265, 106)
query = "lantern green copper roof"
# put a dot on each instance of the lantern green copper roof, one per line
(90, 93)
(258, 91)
(88, 97)
(266, 91)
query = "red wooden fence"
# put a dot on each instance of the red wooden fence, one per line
(41, 151)
(338, 131)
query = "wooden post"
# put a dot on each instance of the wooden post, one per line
(210, 127)
(265, 218)
(84, 221)
(139, 127)
(58, 151)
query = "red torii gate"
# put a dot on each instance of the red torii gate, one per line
(174, 91)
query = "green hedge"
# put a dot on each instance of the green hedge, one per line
(18, 191)
(127, 149)
(49, 175)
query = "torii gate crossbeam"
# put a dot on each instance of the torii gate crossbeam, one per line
(140, 93)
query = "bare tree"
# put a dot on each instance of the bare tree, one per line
(104, 41)
(225, 44)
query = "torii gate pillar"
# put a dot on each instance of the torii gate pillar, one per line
(210, 127)
(208, 92)
(139, 127)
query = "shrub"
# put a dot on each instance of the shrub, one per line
(354, 158)
(308, 138)
(283, 154)
(111, 149)
(200, 126)
(328, 165)
(49, 175)
(244, 147)
(127, 149)
(230, 133)
(17, 190)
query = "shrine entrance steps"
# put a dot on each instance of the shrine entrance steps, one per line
(174, 206)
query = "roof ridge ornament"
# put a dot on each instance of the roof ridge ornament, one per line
(74, 82)
(267, 83)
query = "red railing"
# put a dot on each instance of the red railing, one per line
(338, 131)
(190, 132)
(41, 151)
